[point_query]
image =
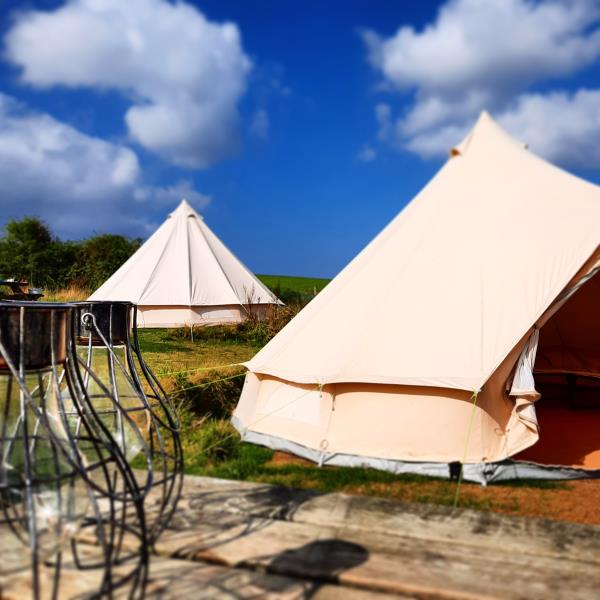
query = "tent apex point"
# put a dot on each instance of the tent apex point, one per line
(185, 208)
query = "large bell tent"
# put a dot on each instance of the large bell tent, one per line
(434, 344)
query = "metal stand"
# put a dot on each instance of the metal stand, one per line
(65, 484)
(108, 346)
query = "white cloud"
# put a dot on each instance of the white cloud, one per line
(494, 44)
(260, 124)
(560, 126)
(565, 128)
(488, 54)
(183, 73)
(366, 154)
(77, 183)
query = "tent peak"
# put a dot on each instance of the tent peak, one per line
(185, 209)
(488, 130)
(184, 264)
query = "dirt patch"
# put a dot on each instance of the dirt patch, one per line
(575, 501)
(283, 458)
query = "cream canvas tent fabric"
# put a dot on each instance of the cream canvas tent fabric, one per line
(185, 275)
(421, 352)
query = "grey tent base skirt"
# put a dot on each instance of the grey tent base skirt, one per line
(482, 473)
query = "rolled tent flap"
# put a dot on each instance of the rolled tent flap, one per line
(522, 388)
(364, 423)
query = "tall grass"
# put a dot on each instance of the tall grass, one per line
(73, 293)
(212, 393)
(253, 330)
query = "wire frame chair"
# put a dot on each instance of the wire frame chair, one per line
(63, 480)
(109, 346)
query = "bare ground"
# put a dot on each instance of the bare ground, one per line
(575, 501)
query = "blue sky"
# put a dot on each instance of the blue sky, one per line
(299, 129)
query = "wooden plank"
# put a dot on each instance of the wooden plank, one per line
(181, 579)
(397, 564)
(372, 560)
(76, 584)
(258, 541)
(524, 535)
(186, 579)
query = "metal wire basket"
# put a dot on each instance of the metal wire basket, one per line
(66, 488)
(111, 361)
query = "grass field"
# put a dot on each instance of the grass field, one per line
(296, 284)
(213, 447)
(172, 350)
(206, 390)
(295, 289)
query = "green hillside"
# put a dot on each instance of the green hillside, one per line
(289, 288)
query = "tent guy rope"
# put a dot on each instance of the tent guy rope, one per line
(195, 369)
(468, 436)
(264, 416)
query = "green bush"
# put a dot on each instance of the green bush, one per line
(214, 441)
(99, 257)
(28, 250)
(253, 330)
(213, 393)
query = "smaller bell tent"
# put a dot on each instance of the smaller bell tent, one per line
(184, 275)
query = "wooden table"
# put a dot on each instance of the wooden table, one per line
(243, 540)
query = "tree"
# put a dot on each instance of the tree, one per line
(29, 250)
(26, 250)
(99, 257)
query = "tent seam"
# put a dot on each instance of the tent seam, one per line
(162, 254)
